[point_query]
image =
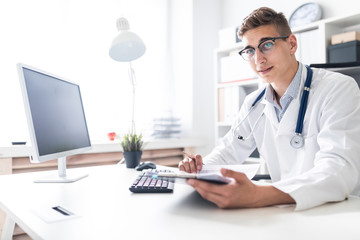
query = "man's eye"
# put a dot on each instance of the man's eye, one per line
(268, 45)
(249, 51)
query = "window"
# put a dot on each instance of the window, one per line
(72, 39)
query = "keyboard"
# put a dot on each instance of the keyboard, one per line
(149, 182)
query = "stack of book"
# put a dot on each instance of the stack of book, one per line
(166, 127)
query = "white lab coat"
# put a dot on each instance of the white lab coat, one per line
(327, 168)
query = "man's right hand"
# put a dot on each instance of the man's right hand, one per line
(191, 164)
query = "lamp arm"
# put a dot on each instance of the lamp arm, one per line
(133, 84)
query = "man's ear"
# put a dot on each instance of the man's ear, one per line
(293, 44)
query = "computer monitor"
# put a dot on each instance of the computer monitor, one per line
(56, 120)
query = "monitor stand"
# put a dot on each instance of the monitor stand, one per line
(61, 177)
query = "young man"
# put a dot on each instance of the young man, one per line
(315, 162)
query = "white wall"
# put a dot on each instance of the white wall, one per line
(192, 34)
(180, 34)
(206, 24)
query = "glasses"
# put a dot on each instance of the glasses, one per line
(266, 46)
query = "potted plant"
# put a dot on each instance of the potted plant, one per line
(132, 145)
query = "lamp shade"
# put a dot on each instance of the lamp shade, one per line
(126, 46)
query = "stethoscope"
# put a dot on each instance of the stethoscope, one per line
(297, 141)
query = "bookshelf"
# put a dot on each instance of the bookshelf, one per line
(234, 79)
(315, 38)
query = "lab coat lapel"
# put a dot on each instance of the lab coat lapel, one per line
(288, 122)
(270, 114)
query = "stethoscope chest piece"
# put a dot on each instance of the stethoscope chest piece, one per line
(297, 141)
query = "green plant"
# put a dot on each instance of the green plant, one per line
(132, 142)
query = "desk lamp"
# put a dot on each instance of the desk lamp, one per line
(126, 47)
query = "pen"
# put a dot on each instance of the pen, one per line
(190, 156)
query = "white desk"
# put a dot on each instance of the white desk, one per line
(109, 210)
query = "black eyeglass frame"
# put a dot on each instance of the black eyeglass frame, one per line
(264, 40)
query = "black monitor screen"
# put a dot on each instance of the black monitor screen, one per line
(57, 113)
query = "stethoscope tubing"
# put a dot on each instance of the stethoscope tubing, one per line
(246, 116)
(304, 100)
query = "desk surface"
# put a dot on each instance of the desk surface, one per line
(108, 210)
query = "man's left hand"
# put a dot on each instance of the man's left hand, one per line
(240, 193)
(237, 194)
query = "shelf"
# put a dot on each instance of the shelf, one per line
(308, 27)
(224, 124)
(343, 22)
(238, 81)
(339, 22)
(253, 82)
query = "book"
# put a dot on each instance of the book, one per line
(209, 177)
(211, 173)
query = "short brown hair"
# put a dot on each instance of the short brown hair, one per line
(265, 16)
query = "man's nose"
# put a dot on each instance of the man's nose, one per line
(259, 57)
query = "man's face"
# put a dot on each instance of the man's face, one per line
(272, 66)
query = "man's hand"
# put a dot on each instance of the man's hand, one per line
(191, 164)
(241, 193)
